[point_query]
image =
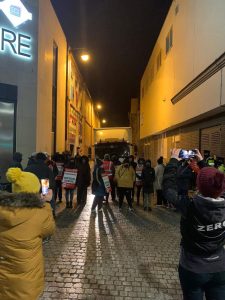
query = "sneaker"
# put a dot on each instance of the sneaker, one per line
(100, 209)
(131, 209)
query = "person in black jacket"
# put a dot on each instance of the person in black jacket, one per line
(41, 170)
(148, 177)
(202, 257)
(83, 180)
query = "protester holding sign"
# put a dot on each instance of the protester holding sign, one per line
(69, 182)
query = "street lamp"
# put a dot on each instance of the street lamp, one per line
(99, 106)
(85, 57)
(84, 54)
(104, 121)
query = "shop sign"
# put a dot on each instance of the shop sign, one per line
(11, 40)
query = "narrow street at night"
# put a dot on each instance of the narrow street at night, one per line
(113, 255)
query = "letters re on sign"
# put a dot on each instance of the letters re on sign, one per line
(69, 179)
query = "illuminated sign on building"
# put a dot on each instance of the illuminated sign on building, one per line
(15, 11)
(16, 43)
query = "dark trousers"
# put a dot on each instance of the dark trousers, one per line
(58, 190)
(122, 191)
(97, 201)
(69, 196)
(139, 187)
(195, 285)
(159, 197)
(81, 194)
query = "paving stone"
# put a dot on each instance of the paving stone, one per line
(113, 255)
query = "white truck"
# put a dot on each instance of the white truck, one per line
(113, 140)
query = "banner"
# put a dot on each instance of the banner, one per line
(60, 171)
(106, 183)
(69, 179)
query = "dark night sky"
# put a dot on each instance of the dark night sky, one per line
(120, 35)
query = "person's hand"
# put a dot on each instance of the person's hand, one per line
(198, 155)
(47, 197)
(175, 153)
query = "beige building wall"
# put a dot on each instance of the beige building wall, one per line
(198, 40)
(80, 134)
(50, 32)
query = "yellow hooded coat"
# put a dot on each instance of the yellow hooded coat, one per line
(24, 222)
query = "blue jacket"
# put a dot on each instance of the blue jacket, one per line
(98, 187)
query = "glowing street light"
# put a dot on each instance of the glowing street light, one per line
(82, 53)
(85, 57)
(104, 121)
(99, 106)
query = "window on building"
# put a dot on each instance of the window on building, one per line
(54, 92)
(169, 40)
(159, 60)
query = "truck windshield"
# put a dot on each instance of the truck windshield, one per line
(121, 149)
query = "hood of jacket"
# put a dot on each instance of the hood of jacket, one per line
(17, 208)
(212, 210)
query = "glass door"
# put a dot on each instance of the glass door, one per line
(7, 119)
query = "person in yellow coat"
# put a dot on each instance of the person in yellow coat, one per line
(125, 177)
(25, 219)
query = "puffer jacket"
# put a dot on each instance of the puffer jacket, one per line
(125, 176)
(24, 222)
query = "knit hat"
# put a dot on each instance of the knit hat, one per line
(23, 182)
(210, 182)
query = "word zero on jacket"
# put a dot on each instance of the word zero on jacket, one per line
(211, 227)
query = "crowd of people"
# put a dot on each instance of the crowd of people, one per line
(27, 212)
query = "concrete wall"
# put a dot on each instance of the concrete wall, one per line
(198, 39)
(50, 32)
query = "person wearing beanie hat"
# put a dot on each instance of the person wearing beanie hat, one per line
(26, 219)
(202, 257)
(210, 182)
(23, 181)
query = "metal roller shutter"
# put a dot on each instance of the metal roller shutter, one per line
(211, 140)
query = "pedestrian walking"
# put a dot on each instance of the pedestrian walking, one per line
(58, 158)
(98, 187)
(125, 178)
(26, 219)
(148, 177)
(202, 257)
(159, 171)
(138, 182)
(109, 170)
(83, 180)
(133, 164)
(69, 181)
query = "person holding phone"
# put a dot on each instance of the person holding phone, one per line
(202, 256)
(26, 219)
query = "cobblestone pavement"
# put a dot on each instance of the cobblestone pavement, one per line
(113, 255)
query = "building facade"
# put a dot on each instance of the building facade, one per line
(182, 89)
(33, 83)
(82, 116)
(134, 118)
